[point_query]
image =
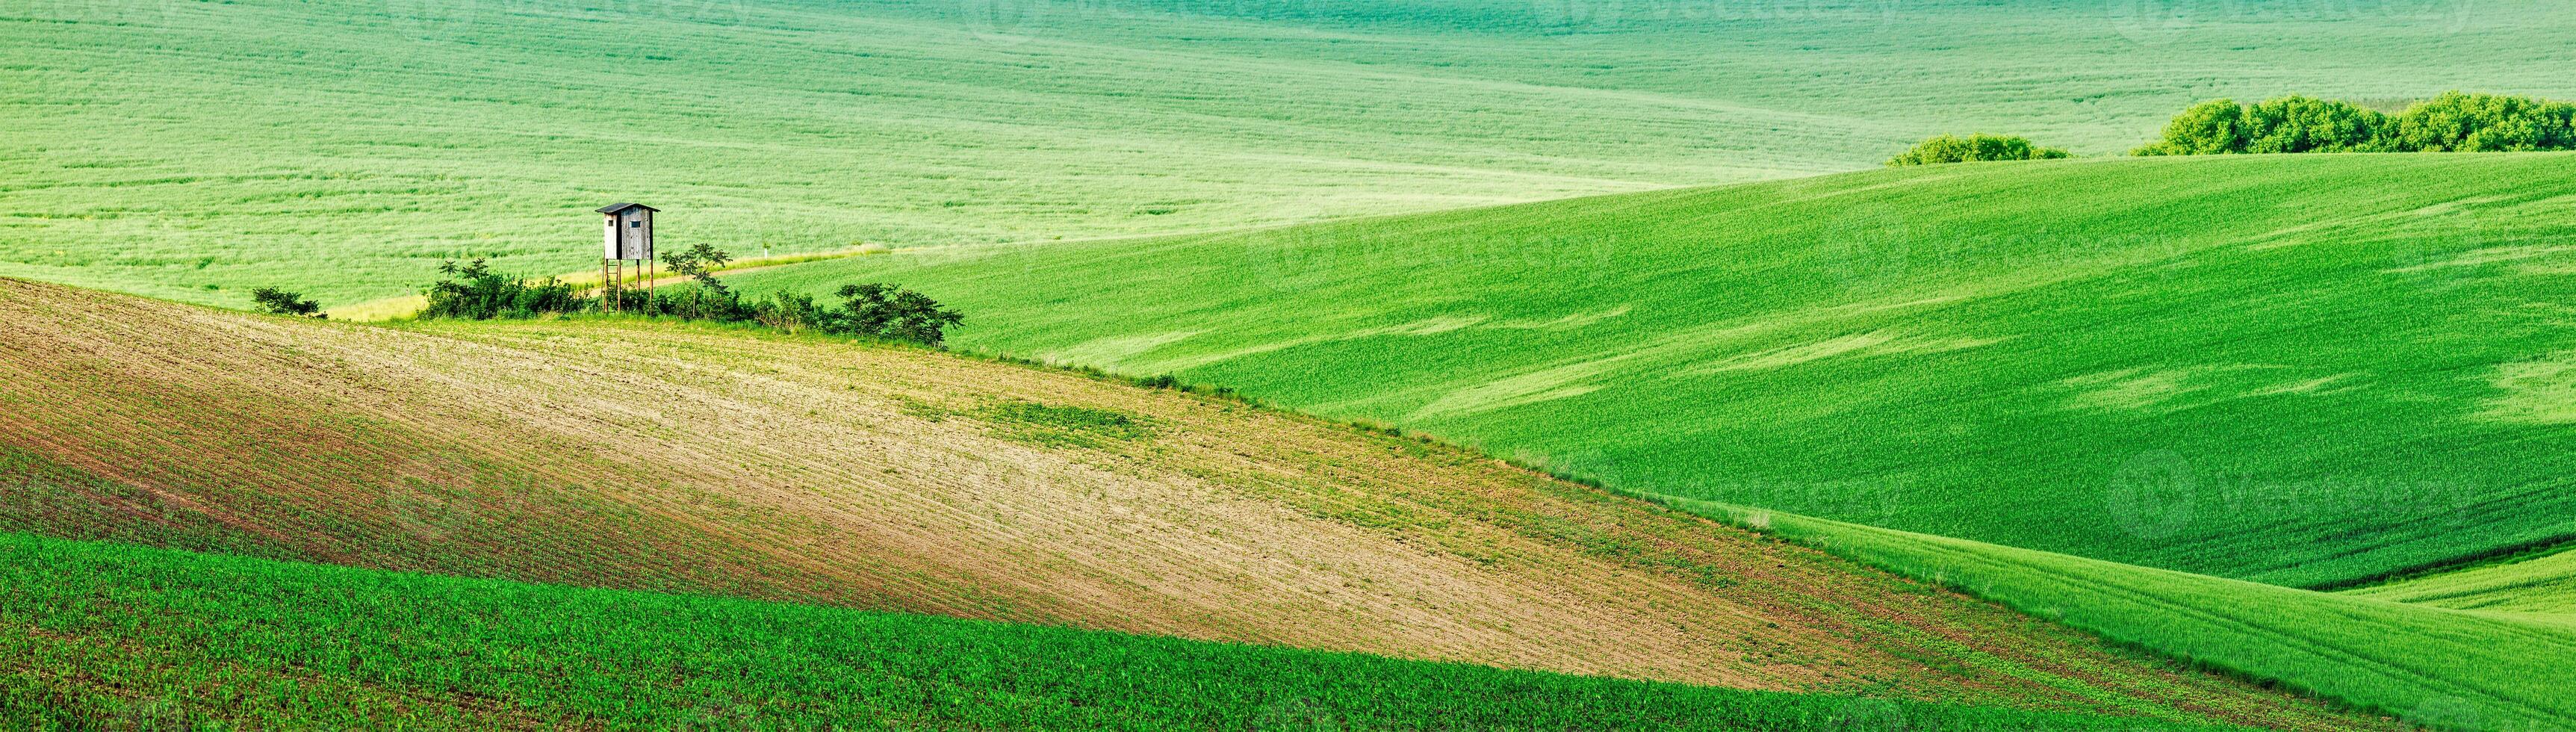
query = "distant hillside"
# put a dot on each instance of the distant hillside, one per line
(2301, 370)
(696, 460)
(194, 150)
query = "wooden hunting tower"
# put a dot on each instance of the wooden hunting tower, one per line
(630, 231)
(629, 239)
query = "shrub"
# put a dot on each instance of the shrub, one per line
(2297, 124)
(1949, 149)
(474, 292)
(695, 301)
(2208, 128)
(790, 313)
(280, 302)
(2456, 122)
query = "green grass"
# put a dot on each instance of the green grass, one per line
(100, 634)
(192, 150)
(2442, 668)
(2299, 370)
(1057, 426)
(2545, 584)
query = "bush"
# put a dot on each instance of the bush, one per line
(872, 310)
(790, 313)
(280, 302)
(2296, 124)
(694, 301)
(2456, 122)
(1973, 148)
(2207, 128)
(474, 292)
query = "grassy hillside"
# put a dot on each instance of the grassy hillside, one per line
(656, 456)
(2299, 370)
(194, 150)
(107, 636)
(2545, 584)
(2439, 667)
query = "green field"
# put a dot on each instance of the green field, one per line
(2441, 668)
(2276, 440)
(100, 635)
(2295, 370)
(193, 150)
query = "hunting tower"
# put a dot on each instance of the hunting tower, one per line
(630, 239)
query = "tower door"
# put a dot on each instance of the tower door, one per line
(635, 235)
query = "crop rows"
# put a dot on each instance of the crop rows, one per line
(187, 639)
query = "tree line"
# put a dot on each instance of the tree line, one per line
(870, 310)
(473, 291)
(2452, 122)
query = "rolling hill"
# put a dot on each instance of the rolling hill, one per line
(2105, 393)
(629, 455)
(2310, 371)
(194, 150)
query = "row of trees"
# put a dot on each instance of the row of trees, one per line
(2452, 122)
(472, 291)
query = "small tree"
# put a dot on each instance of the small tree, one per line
(1974, 148)
(280, 302)
(699, 262)
(711, 299)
